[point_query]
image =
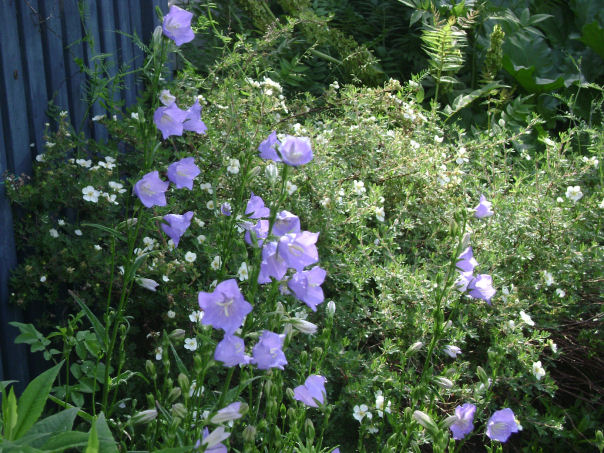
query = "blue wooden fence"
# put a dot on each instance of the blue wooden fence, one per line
(39, 42)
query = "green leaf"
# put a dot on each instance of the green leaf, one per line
(106, 442)
(592, 35)
(179, 363)
(63, 421)
(465, 99)
(33, 399)
(93, 440)
(111, 231)
(31, 336)
(98, 327)
(65, 440)
(526, 77)
(9, 415)
(4, 384)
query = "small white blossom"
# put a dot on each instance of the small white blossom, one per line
(191, 344)
(90, 194)
(381, 405)
(41, 157)
(61, 222)
(207, 187)
(158, 353)
(83, 163)
(526, 318)
(290, 187)
(379, 213)
(53, 233)
(210, 204)
(171, 314)
(200, 223)
(78, 232)
(438, 139)
(196, 316)
(548, 278)
(233, 166)
(201, 238)
(574, 193)
(358, 187)
(117, 187)
(560, 292)
(360, 412)
(190, 257)
(591, 160)
(134, 116)
(165, 278)
(216, 263)
(325, 201)
(242, 273)
(43, 278)
(553, 346)
(96, 118)
(452, 351)
(97, 247)
(601, 205)
(538, 370)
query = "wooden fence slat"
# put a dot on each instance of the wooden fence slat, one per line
(136, 25)
(37, 94)
(125, 51)
(107, 31)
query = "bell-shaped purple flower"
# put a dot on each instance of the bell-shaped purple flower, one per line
(260, 230)
(151, 190)
(176, 225)
(299, 249)
(272, 264)
(501, 425)
(286, 222)
(268, 352)
(224, 308)
(306, 285)
(169, 120)
(213, 441)
(268, 147)
(312, 391)
(466, 262)
(233, 411)
(482, 288)
(255, 208)
(464, 279)
(483, 209)
(465, 418)
(193, 121)
(226, 209)
(183, 172)
(295, 151)
(177, 25)
(231, 351)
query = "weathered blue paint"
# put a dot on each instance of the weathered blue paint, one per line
(40, 41)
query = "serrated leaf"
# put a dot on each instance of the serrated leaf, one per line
(32, 401)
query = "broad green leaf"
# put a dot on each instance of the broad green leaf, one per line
(526, 77)
(65, 440)
(465, 99)
(93, 440)
(33, 399)
(63, 421)
(31, 336)
(9, 415)
(106, 442)
(98, 327)
(592, 35)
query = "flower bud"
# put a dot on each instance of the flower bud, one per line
(255, 172)
(443, 382)
(150, 399)
(179, 410)
(304, 326)
(309, 429)
(177, 334)
(331, 308)
(184, 383)
(197, 364)
(482, 375)
(174, 394)
(271, 171)
(157, 36)
(144, 417)
(150, 367)
(249, 434)
(415, 347)
(449, 421)
(426, 421)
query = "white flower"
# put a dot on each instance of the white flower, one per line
(438, 139)
(358, 187)
(233, 166)
(97, 247)
(90, 194)
(548, 278)
(271, 171)
(149, 242)
(216, 263)
(242, 273)
(49, 144)
(117, 187)
(538, 370)
(591, 160)
(372, 430)
(190, 257)
(560, 199)
(574, 193)
(452, 351)
(165, 278)
(78, 232)
(61, 222)
(526, 318)
(381, 405)
(158, 353)
(553, 346)
(43, 278)
(53, 233)
(41, 157)
(325, 201)
(360, 412)
(601, 205)
(83, 163)
(379, 213)
(210, 204)
(200, 223)
(191, 344)
(291, 188)
(134, 116)
(207, 187)
(196, 316)
(201, 238)
(98, 117)
(414, 144)
(560, 292)
(171, 314)
(166, 98)
(171, 245)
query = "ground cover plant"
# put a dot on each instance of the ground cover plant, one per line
(243, 268)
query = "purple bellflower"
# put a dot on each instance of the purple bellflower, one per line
(231, 351)
(312, 391)
(225, 308)
(464, 279)
(260, 230)
(193, 121)
(268, 352)
(482, 288)
(483, 209)
(286, 222)
(466, 262)
(267, 147)
(306, 286)
(151, 190)
(231, 412)
(213, 441)
(296, 151)
(176, 225)
(169, 120)
(255, 208)
(177, 25)
(272, 264)
(225, 209)
(183, 172)
(465, 418)
(299, 249)
(501, 425)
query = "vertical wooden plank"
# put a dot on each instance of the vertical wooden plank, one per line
(136, 26)
(76, 79)
(52, 31)
(107, 27)
(37, 96)
(126, 51)
(92, 27)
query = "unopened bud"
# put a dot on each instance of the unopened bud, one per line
(444, 382)
(144, 417)
(255, 172)
(426, 421)
(150, 399)
(174, 394)
(309, 429)
(150, 367)
(482, 375)
(177, 334)
(179, 410)
(331, 308)
(449, 421)
(415, 347)
(249, 434)
(304, 326)
(184, 383)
